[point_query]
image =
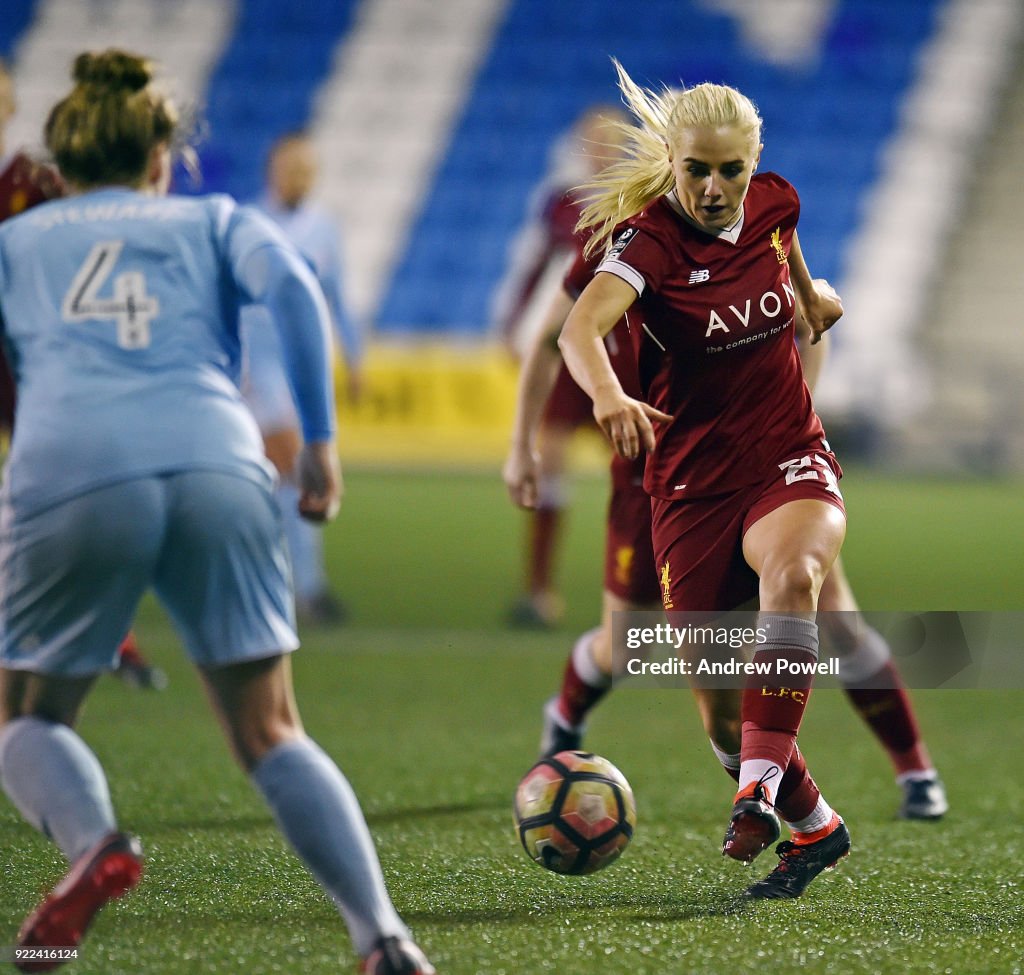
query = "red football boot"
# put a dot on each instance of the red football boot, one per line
(134, 669)
(753, 826)
(110, 869)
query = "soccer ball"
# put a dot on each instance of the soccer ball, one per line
(574, 812)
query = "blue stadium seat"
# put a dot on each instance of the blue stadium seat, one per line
(823, 124)
(265, 84)
(15, 17)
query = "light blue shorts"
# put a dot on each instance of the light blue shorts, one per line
(210, 544)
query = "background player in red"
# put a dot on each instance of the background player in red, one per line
(866, 670)
(745, 490)
(24, 183)
(541, 256)
(630, 582)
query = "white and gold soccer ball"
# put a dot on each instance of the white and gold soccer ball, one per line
(574, 813)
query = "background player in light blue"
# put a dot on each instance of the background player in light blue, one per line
(292, 170)
(135, 463)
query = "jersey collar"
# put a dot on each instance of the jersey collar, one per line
(730, 234)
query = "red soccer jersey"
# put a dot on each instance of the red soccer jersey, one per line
(716, 346)
(23, 184)
(551, 237)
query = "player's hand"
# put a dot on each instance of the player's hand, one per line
(823, 310)
(320, 482)
(520, 474)
(626, 422)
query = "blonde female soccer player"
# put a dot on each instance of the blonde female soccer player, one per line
(746, 500)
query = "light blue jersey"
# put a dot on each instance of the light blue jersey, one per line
(265, 385)
(315, 234)
(120, 314)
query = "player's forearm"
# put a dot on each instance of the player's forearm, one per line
(346, 329)
(585, 355)
(300, 314)
(536, 381)
(812, 357)
(539, 373)
(603, 302)
(799, 275)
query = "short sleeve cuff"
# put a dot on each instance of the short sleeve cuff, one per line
(624, 271)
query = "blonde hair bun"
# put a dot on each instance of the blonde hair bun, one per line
(102, 132)
(112, 69)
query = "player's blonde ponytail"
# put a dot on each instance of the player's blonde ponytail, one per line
(625, 188)
(102, 132)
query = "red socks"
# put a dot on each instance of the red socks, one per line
(583, 682)
(775, 698)
(545, 530)
(797, 793)
(887, 711)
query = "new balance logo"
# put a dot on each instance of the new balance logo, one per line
(700, 276)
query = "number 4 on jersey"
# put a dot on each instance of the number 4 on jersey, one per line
(130, 307)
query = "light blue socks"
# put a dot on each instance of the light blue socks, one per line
(319, 814)
(57, 783)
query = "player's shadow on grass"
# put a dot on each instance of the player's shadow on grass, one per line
(639, 908)
(383, 817)
(720, 905)
(212, 824)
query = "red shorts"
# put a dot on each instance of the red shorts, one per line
(628, 550)
(698, 543)
(568, 406)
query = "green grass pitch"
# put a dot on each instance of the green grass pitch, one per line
(432, 709)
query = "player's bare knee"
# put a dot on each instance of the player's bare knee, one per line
(793, 585)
